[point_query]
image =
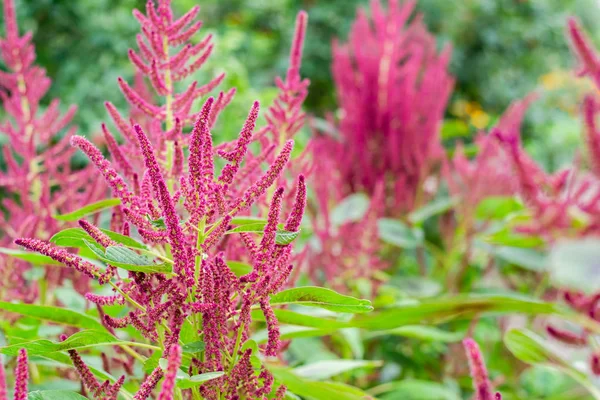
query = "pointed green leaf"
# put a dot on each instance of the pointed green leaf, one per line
(314, 390)
(128, 259)
(533, 349)
(294, 318)
(197, 380)
(422, 332)
(34, 258)
(396, 232)
(464, 306)
(74, 237)
(292, 332)
(88, 210)
(79, 340)
(433, 208)
(239, 268)
(285, 237)
(53, 314)
(54, 395)
(498, 207)
(530, 259)
(246, 220)
(193, 347)
(351, 209)
(321, 297)
(326, 369)
(575, 264)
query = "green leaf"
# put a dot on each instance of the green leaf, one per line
(79, 340)
(281, 237)
(257, 227)
(88, 210)
(128, 259)
(453, 128)
(464, 306)
(53, 314)
(412, 389)
(285, 237)
(313, 390)
(34, 258)
(239, 268)
(294, 318)
(396, 232)
(417, 286)
(326, 369)
(575, 264)
(497, 207)
(197, 380)
(533, 349)
(74, 237)
(64, 359)
(506, 237)
(54, 395)
(433, 208)
(422, 332)
(530, 259)
(193, 347)
(351, 209)
(292, 332)
(245, 220)
(321, 297)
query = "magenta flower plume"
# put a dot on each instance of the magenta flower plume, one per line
(590, 63)
(3, 389)
(481, 382)
(176, 238)
(168, 385)
(115, 181)
(60, 255)
(149, 384)
(37, 158)
(184, 216)
(21, 376)
(293, 222)
(392, 100)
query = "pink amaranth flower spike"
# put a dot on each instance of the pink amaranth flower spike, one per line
(392, 88)
(3, 389)
(21, 376)
(481, 382)
(168, 384)
(185, 213)
(37, 158)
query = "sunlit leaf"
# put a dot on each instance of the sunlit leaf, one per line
(74, 237)
(431, 209)
(54, 395)
(326, 369)
(197, 380)
(575, 264)
(351, 209)
(88, 210)
(531, 348)
(34, 258)
(53, 314)
(396, 232)
(321, 297)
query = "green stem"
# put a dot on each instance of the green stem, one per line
(129, 299)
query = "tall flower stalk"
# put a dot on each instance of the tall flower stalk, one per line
(37, 157)
(185, 211)
(392, 89)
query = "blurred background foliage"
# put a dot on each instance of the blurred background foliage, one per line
(503, 49)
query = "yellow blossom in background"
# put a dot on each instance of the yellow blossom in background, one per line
(479, 119)
(472, 112)
(555, 79)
